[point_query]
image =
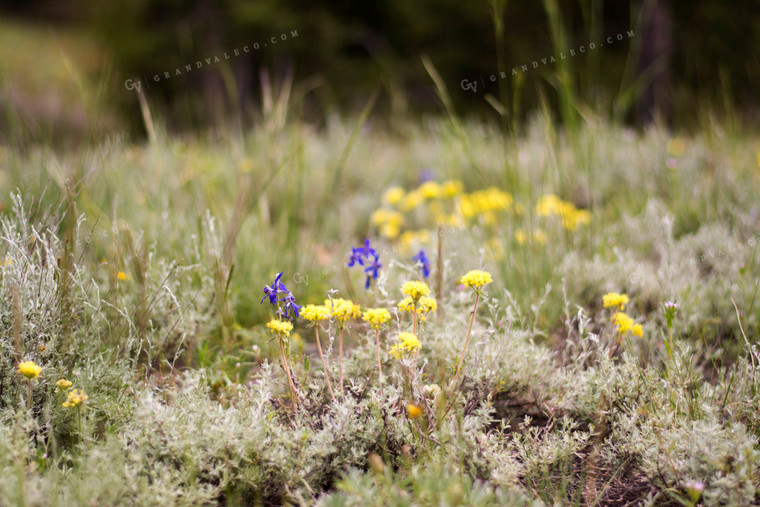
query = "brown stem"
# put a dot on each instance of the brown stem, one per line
(414, 316)
(291, 385)
(469, 331)
(379, 365)
(340, 357)
(324, 365)
(29, 396)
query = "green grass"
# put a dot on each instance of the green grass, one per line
(136, 272)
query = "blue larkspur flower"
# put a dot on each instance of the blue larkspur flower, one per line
(273, 293)
(421, 258)
(366, 256)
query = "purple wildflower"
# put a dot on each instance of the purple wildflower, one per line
(421, 258)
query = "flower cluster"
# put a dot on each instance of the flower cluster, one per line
(485, 203)
(366, 254)
(343, 310)
(425, 305)
(376, 317)
(423, 261)
(62, 385)
(615, 300)
(282, 328)
(476, 278)
(278, 293)
(29, 370)
(570, 216)
(407, 344)
(315, 313)
(415, 290)
(625, 324)
(75, 399)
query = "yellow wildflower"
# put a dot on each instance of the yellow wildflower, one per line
(430, 190)
(425, 305)
(613, 299)
(280, 327)
(121, 275)
(29, 370)
(623, 322)
(520, 236)
(75, 399)
(415, 290)
(376, 317)
(637, 330)
(411, 201)
(343, 310)
(451, 188)
(314, 313)
(407, 343)
(414, 411)
(393, 195)
(476, 278)
(62, 384)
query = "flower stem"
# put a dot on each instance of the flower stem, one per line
(379, 364)
(340, 357)
(414, 316)
(324, 365)
(466, 341)
(287, 372)
(29, 396)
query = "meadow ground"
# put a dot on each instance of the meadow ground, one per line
(612, 358)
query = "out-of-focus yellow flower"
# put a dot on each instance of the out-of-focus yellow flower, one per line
(121, 275)
(29, 370)
(415, 289)
(520, 237)
(414, 411)
(451, 188)
(624, 324)
(62, 384)
(390, 231)
(570, 216)
(615, 300)
(393, 195)
(676, 147)
(407, 344)
(430, 190)
(376, 317)
(476, 278)
(411, 201)
(75, 399)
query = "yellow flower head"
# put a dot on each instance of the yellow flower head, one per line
(476, 278)
(29, 370)
(343, 310)
(315, 313)
(75, 399)
(415, 290)
(376, 317)
(637, 330)
(407, 344)
(393, 195)
(430, 190)
(623, 322)
(280, 327)
(121, 275)
(414, 411)
(425, 305)
(451, 188)
(63, 384)
(615, 300)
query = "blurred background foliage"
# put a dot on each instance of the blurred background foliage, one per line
(682, 52)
